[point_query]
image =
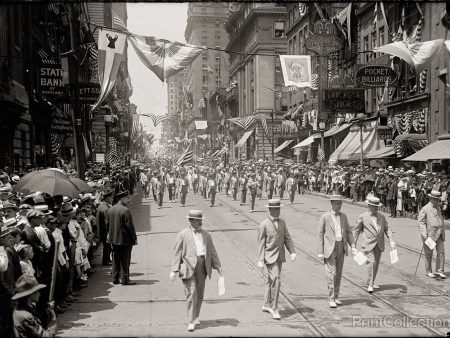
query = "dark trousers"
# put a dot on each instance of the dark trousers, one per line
(270, 194)
(171, 190)
(183, 197)
(160, 199)
(195, 186)
(281, 191)
(62, 278)
(106, 252)
(6, 322)
(234, 194)
(253, 198)
(291, 196)
(121, 262)
(204, 193)
(227, 188)
(393, 207)
(212, 192)
(243, 196)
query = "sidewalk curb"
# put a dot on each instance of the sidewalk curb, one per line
(361, 204)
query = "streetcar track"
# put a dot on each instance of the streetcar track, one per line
(354, 280)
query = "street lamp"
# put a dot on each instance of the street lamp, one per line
(360, 122)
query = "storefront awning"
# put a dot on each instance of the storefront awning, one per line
(282, 146)
(336, 130)
(244, 139)
(306, 142)
(350, 147)
(439, 150)
(381, 153)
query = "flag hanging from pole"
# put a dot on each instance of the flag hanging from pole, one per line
(264, 125)
(187, 156)
(344, 17)
(164, 58)
(244, 123)
(320, 154)
(111, 45)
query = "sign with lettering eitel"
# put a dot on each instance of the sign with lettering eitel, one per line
(384, 133)
(343, 100)
(89, 92)
(376, 76)
(50, 80)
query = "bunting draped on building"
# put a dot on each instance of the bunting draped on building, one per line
(245, 123)
(111, 45)
(164, 58)
(155, 118)
(404, 123)
(187, 156)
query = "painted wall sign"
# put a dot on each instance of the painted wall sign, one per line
(343, 100)
(376, 76)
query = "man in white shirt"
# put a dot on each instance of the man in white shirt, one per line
(195, 257)
(334, 235)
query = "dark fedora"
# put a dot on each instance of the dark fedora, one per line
(67, 209)
(107, 194)
(122, 194)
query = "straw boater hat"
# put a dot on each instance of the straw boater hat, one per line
(274, 203)
(375, 201)
(6, 230)
(9, 205)
(43, 208)
(67, 209)
(25, 286)
(336, 198)
(434, 194)
(35, 214)
(10, 222)
(195, 214)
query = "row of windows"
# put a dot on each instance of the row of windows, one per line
(299, 49)
(373, 42)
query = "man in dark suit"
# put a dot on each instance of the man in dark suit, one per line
(29, 236)
(195, 257)
(373, 225)
(102, 223)
(273, 235)
(122, 237)
(184, 188)
(392, 194)
(335, 234)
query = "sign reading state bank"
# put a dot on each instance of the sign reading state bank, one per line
(376, 76)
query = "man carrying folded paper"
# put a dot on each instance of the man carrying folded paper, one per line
(373, 225)
(432, 231)
(334, 235)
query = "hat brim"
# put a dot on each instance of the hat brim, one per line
(375, 205)
(274, 206)
(28, 292)
(436, 197)
(188, 217)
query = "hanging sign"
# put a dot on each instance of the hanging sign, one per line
(384, 133)
(343, 100)
(50, 80)
(324, 39)
(376, 76)
(89, 92)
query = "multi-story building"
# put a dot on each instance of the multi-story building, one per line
(257, 32)
(174, 105)
(209, 72)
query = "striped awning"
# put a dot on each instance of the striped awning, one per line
(439, 150)
(306, 142)
(244, 139)
(282, 146)
(381, 153)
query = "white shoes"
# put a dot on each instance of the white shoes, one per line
(375, 286)
(275, 315)
(370, 289)
(191, 327)
(440, 274)
(431, 275)
(266, 309)
(338, 302)
(332, 304)
(196, 322)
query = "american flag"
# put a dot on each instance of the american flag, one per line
(54, 8)
(314, 81)
(264, 125)
(135, 127)
(244, 123)
(155, 118)
(164, 58)
(112, 156)
(118, 23)
(45, 58)
(187, 156)
(320, 154)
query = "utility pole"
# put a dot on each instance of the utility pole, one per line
(75, 89)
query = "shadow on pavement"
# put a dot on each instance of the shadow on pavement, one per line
(217, 323)
(142, 282)
(403, 288)
(141, 211)
(288, 312)
(368, 302)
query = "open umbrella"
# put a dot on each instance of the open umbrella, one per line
(52, 185)
(39, 173)
(81, 185)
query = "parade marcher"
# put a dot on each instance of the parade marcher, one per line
(27, 322)
(243, 188)
(273, 236)
(195, 257)
(212, 186)
(226, 182)
(184, 188)
(144, 183)
(195, 181)
(373, 225)
(234, 185)
(122, 237)
(170, 182)
(392, 194)
(431, 226)
(334, 235)
(159, 186)
(252, 185)
(154, 183)
(290, 187)
(102, 223)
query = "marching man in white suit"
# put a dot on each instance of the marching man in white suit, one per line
(334, 235)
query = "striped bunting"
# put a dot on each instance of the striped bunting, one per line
(245, 123)
(57, 141)
(53, 8)
(315, 81)
(118, 22)
(187, 156)
(45, 58)
(164, 58)
(155, 118)
(320, 154)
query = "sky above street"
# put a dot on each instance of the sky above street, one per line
(161, 20)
